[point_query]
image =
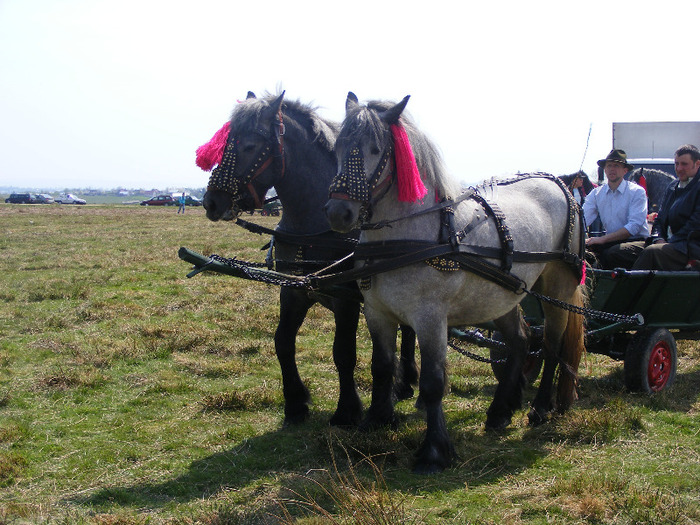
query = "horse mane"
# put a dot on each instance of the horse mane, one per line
(367, 122)
(650, 173)
(656, 183)
(588, 186)
(300, 119)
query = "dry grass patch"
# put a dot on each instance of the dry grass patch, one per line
(251, 399)
(597, 425)
(356, 493)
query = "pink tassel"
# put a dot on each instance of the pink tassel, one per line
(411, 187)
(583, 274)
(209, 154)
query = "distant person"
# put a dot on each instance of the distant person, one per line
(621, 206)
(579, 185)
(678, 221)
(182, 200)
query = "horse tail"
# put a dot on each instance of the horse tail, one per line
(572, 350)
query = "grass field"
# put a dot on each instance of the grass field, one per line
(130, 394)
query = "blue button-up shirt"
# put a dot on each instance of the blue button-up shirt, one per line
(625, 207)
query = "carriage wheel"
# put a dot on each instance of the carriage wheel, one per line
(531, 366)
(651, 361)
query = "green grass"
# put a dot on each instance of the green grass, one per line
(130, 394)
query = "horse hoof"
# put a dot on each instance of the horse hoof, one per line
(373, 423)
(497, 423)
(403, 392)
(345, 420)
(420, 404)
(427, 469)
(434, 458)
(295, 417)
(536, 418)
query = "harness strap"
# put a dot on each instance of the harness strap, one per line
(572, 258)
(504, 235)
(478, 266)
(447, 227)
(441, 205)
(390, 249)
(327, 239)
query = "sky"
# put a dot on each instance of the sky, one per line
(107, 94)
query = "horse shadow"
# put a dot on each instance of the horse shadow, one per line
(289, 454)
(482, 459)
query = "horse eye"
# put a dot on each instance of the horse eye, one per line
(248, 148)
(374, 150)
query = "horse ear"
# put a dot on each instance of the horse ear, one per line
(351, 102)
(250, 95)
(277, 104)
(391, 115)
(324, 133)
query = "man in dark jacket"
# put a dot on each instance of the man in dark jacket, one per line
(678, 222)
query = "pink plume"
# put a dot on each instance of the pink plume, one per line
(411, 187)
(209, 154)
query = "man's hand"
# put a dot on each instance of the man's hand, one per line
(592, 241)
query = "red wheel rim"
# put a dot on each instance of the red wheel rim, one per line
(659, 366)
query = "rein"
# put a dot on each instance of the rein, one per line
(441, 205)
(326, 239)
(306, 252)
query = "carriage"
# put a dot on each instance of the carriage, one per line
(662, 300)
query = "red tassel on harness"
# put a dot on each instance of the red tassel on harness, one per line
(209, 154)
(411, 187)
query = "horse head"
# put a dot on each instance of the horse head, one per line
(253, 158)
(366, 164)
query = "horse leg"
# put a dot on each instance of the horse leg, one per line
(436, 453)
(509, 393)
(294, 306)
(542, 405)
(407, 371)
(381, 410)
(572, 351)
(347, 315)
(563, 344)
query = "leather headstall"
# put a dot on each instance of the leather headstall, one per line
(224, 177)
(352, 183)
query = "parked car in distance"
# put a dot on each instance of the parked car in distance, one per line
(21, 198)
(192, 201)
(44, 198)
(160, 200)
(69, 198)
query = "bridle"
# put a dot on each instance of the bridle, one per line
(223, 177)
(352, 184)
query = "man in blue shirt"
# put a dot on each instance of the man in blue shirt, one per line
(621, 206)
(678, 222)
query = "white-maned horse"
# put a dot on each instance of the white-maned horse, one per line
(392, 182)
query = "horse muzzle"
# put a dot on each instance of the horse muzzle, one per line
(220, 206)
(342, 214)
